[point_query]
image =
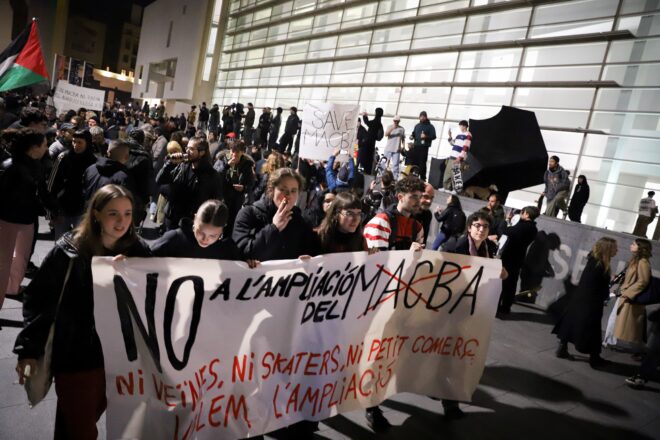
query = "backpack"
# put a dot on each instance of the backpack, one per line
(650, 295)
(391, 217)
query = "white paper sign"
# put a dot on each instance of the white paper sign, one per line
(213, 350)
(325, 127)
(70, 97)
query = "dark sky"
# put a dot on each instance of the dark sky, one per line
(113, 14)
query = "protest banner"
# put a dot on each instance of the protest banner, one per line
(210, 349)
(325, 127)
(70, 97)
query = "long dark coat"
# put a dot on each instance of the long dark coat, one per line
(581, 323)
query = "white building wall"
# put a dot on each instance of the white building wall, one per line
(188, 20)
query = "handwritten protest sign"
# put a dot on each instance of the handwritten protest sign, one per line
(70, 97)
(325, 127)
(213, 350)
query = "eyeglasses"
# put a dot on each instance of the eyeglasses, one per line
(480, 226)
(328, 200)
(350, 214)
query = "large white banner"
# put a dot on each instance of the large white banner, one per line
(325, 127)
(70, 97)
(213, 350)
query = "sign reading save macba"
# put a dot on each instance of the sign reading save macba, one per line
(210, 349)
(325, 127)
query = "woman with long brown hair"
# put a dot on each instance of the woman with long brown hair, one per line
(341, 229)
(106, 229)
(581, 323)
(630, 325)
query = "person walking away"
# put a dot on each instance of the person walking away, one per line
(22, 195)
(66, 180)
(556, 187)
(581, 323)
(630, 324)
(460, 145)
(396, 138)
(368, 148)
(106, 229)
(647, 212)
(423, 135)
(452, 221)
(579, 199)
(518, 239)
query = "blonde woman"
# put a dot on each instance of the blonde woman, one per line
(581, 322)
(630, 325)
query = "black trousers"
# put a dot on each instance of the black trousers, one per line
(509, 286)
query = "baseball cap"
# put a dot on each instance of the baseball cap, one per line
(231, 135)
(397, 118)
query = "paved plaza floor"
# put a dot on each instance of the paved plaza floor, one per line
(525, 393)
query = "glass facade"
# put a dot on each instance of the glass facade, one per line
(589, 69)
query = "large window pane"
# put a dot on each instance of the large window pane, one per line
(645, 100)
(554, 98)
(634, 51)
(625, 148)
(592, 53)
(481, 96)
(575, 10)
(563, 73)
(575, 28)
(501, 20)
(490, 58)
(630, 124)
(634, 74)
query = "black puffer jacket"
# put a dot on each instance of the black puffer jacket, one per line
(66, 180)
(105, 172)
(181, 243)
(23, 190)
(257, 237)
(452, 219)
(76, 346)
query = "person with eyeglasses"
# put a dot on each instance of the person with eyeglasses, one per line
(192, 181)
(341, 229)
(273, 228)
(475, 243)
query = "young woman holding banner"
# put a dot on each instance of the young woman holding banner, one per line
(106, 229)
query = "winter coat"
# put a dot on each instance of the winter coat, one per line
(417, 134)
(424, 216)
(249, 118)
(452, 219)
(203, 114)
(581, 323)
(76, 345)
(66, 180)
(519, 237)
(189, 188)
(159, 152)
(555, 182)
(631, 320)
(105, 172)
(578, 201)
(461, 245)
(291, 126)
(257, 237)
(140, 168)
(181, 243)
(23, 190)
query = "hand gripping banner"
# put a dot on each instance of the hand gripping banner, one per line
(214, 350)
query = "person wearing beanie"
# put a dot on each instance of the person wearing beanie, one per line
(423, 135)
(368, 148)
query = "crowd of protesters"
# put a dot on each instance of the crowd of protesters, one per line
(220, 187)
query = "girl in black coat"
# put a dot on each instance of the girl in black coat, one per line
(201, 237)
(77, 358)
(22, 192)
(581, 323)
(452, 220)
(273, 228)
(579, 199)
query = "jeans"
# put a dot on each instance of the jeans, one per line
(393, 157)
(440, 239)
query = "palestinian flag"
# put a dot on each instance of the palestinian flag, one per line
(22, 63)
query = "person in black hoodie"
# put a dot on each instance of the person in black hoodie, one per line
(579, 199)
(273, 228)
(77, 357)
(192, 181)
(368, 148)
(140, 169)
(109, 170)
(452, 220)
(201, 237)
(66, 180)
(290, 129)
(518, 239)
(315, 213)
(22, 193)
(236, 172)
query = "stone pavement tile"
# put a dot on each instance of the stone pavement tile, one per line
(652, 429)
(543, 363)
(621, 406)
(21, 422)
(12, 393)
(10, 319)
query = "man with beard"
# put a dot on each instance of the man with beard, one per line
(556, 187)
